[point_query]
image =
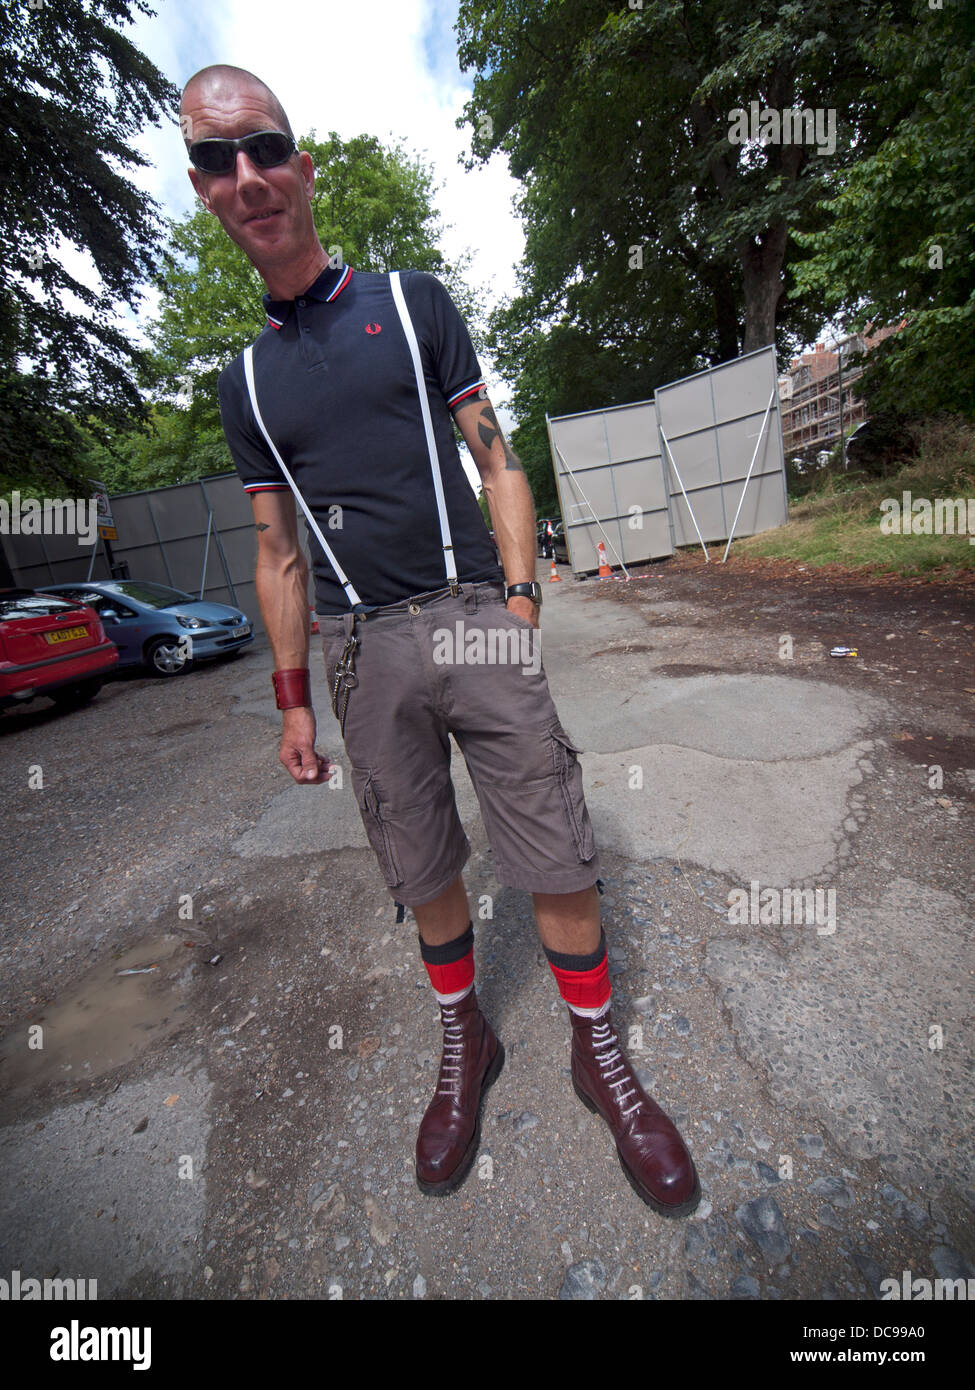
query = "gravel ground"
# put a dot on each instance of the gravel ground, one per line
(239, 1122)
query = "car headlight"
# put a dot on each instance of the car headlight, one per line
(189, 622)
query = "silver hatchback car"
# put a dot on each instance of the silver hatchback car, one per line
(158, 627)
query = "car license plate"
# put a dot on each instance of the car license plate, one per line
(241, 631)
(66, 634)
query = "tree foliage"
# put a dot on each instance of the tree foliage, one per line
(900, 242)
(655, 245)
(74, 91)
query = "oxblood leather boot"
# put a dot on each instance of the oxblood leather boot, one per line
(450, 1131)
(653, 1156)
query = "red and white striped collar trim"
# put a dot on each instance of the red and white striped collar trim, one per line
(327, 287)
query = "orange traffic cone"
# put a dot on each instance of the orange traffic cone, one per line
(604, 570)
(554, 577)
(314, 617)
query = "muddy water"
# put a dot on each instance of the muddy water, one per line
(104, 1021)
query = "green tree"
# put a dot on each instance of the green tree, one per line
(170, 450)
(655, 244)
(73, 93)
(899, 245)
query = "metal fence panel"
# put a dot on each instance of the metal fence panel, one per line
(712, 422)
(607, 462)
(162, 536)
(614, 469)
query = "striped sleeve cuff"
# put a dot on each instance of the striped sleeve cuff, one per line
(464, 394)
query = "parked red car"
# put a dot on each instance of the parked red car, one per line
(51, 646)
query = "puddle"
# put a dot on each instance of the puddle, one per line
(103, 1022)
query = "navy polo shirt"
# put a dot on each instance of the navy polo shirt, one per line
(338, 395)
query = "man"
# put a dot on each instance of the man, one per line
(350, 391)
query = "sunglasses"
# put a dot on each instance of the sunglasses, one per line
(266, 148)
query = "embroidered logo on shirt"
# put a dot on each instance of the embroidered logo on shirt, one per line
(374, 328)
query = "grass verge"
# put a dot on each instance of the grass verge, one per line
(839, 522)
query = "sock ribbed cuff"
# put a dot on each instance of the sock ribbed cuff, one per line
(565, 962)
(450, 950)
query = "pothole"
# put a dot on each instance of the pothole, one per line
(677, 668)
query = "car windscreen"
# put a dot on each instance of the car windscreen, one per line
(33, 606)
(152, 595)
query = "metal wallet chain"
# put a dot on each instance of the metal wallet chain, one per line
(345, 680)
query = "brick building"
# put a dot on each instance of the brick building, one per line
(810, 394)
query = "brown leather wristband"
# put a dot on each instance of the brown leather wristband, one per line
(292, 687)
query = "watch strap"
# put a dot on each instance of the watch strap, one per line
(529, 589)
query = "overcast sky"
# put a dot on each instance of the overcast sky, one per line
(386, 68)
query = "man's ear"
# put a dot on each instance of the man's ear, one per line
(198, 184)
(307, 168)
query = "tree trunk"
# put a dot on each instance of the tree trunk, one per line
(762, 259)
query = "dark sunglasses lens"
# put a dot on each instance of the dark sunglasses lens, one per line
(213, 156)
(268, 148)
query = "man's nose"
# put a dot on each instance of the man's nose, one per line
(249, 174)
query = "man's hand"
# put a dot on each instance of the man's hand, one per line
(524, 607)
(298, 753)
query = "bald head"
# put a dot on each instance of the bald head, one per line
(221, 85)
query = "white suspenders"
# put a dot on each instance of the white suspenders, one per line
(404, 313)
(448, 550)
(346, 583)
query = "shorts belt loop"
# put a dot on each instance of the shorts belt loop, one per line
(348, 623)
(470, 602)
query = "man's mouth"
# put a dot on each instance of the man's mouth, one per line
(264, 216)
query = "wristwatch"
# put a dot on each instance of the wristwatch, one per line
(532, 590)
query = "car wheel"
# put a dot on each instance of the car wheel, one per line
(166, 656)
(74, 696)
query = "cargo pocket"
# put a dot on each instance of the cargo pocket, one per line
(568, 772)
(377, 827)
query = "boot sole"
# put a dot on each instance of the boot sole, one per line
(683, 1209)
(440, 1189)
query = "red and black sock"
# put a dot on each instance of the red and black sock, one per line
(583, 981)
(450, 966)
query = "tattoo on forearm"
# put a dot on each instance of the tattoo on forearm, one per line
(490, 431)
(261, 525)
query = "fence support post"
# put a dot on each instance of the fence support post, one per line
(749, 474)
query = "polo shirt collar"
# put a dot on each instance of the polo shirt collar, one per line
(327, 287)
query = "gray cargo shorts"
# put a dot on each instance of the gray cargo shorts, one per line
(465, 665)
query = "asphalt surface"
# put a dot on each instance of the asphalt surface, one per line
(239, 1121)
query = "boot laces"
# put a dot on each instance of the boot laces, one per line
(451, 1063)
(606, 1050)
